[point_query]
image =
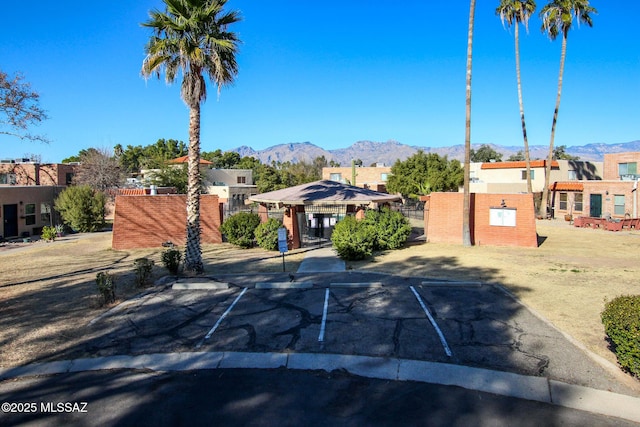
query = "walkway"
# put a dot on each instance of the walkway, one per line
(322, 260)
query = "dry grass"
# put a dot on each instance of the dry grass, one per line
(48, 291)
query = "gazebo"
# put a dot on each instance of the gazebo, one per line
(311, 210)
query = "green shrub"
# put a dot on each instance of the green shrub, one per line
(106, 287)
(171, 260)
(353, 239)
(621, 319)
(143, 268)
(82, 208)
(240, 228)
(267, 234)
(391, 228)
(48, 233)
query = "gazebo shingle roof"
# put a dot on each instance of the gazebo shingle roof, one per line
(324, 192)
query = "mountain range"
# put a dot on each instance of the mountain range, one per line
(388, 152)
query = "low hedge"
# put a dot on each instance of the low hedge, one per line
(267, 234)
(621, 320)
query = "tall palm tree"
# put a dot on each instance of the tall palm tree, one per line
(557, 19)
(466, 207)
(191, 37)
(517, 12)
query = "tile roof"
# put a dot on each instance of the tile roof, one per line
(566, 186)
(519, 165)
(324, 192)
(185, 159)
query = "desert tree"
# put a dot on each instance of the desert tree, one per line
(191, 37)
(19, 108)
(557, 20)
(99, 169)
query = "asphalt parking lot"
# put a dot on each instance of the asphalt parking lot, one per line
(469, 324)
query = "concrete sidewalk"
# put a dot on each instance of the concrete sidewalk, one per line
(322, 260)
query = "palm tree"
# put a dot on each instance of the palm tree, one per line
(557, 18)
(516, 12)
(466, 207)
(191, 37)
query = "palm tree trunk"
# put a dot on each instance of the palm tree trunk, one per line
(193, 251)
(547, 175)
(527, 159)
(466, 208)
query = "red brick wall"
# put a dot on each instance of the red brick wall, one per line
(148, 221)
(611, 162)
(443, 219)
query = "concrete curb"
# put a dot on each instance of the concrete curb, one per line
(538, 389)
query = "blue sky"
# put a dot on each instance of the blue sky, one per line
(331, 73)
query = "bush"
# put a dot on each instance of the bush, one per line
(143, 268)
(106, 287)
(82, 208)
(240, 228)
(621, 319)
(391, 228)
(171, 260)
(49, 233)
(353, 239)
(267, 234)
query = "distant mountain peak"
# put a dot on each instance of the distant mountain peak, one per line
(371, 152)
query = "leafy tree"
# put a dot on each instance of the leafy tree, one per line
(422, 173)
(82, 208)
(98, 169)
(192, 36)
(517, 12)
(240, 228)
(220, 160)
(518, 157)
(485, 154)
(559, 153)
(172, 176)
(154, 156)
(466, 205)
(19, 108)
(557, 19)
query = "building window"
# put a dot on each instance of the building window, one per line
(45, 213)
(533, 174)
(618, 204)
(8, 178)
(68, 178)
(627, 169)
(30, 214)
(384, 177)
(335, 177)
(242, 180)
(572, 175)
(563, 201)
(577, 202)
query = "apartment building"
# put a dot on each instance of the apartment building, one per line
(27, 193)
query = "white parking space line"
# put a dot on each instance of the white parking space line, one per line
(433, 322)
(227, 311)
(324, 316)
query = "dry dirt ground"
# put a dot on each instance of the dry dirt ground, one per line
(48, 291)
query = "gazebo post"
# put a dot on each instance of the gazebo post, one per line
(290, 221)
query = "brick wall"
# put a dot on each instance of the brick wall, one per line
(611, 162)
(38, 174)
(148, 221)
(443, 219)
